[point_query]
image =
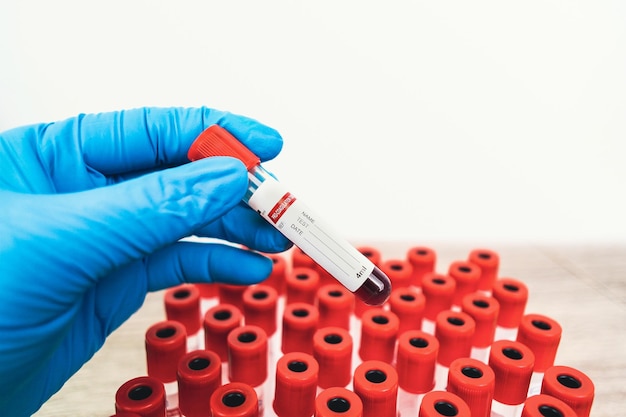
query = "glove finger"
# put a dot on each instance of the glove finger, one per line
(145, 139)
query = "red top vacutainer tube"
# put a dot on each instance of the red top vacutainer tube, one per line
(276, 204)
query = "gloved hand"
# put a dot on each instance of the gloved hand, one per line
(92, 210)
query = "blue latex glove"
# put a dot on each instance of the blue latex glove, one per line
(92, 208)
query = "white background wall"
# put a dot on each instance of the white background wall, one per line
(477, 121)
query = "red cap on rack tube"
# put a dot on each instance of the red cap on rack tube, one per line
(512, 295)
(338, 402)
(278, 275)
(488, 261)
(399, 271)
(144, 395)
(182, 304)
(332, 349)
(299, 259)
(376, 383)
(442, 403)
(466, 275)
(484, 310)
(166, 343)
(408, 304)
(474, 382)
(235, 399)
(545, 405)
(423, 260)
(247, 355)
(455, 332)
(335, 305)
(371, 253)
(217, 141)
(218, 322)
(231, 294)
(299, 325)
(512, 364)
(302, 285)
(199, 375)
(571, 386)
(438, 290)
(542, 335)
(260, 303)
(296, 385)
(207, 290)
(379, 330)
(417, 356)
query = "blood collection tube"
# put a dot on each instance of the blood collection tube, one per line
(297, 222)
(415, 364)
(484, 310)
(542, 335)
(332, 349)
(335, 305)
(296, 385)
(408, 304)
(375, 256)
(379, 331)
(399, 271)
(455, 332)
(218, 322)
(512, 364)
(278, 275)
(376, 383)
(230, 294)
(488, 261)
(199, 375)
(474, 382)
(166, 343)
(260, 306)
(235, 399)
(466, 275)
(571, 386)
(438, 290)
(542, 405)
(442, 403)
(182, 304)
(143, 395)
(302, 285)
(512, 294)
(208, 296)
(338, 402)
(299, 325)
(423, 260)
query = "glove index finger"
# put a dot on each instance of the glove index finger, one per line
(148, 139)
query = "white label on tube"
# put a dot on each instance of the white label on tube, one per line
(293, 219)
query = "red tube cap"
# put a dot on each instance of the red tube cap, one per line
(182, 304)
(423, 260)
(301, 285)
(441, 403)
(474, 382)
(379, 330)
(408, 304)
(512, 295)
(217, 141)
(542, 335)
(484, 310)
(332, 349)
(235, 400)
(338, 402)
(143, 395)
(455, 332)
(372, 253)
(335, 305)
(545, 405)
(218, 322)
(417, 357)
(277, 278)
(488, 261)
(299, 259)
(466, 275)
(259, 307)
(299, 325)
(247, 355)
(438, 291)
(399, 271)
(231, 294)
(571, 386)
(207, 290)
(166, 343)
(512, 364)
(296, 385)
(376, 383)
(199, 375)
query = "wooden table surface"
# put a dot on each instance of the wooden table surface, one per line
(582, 287)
